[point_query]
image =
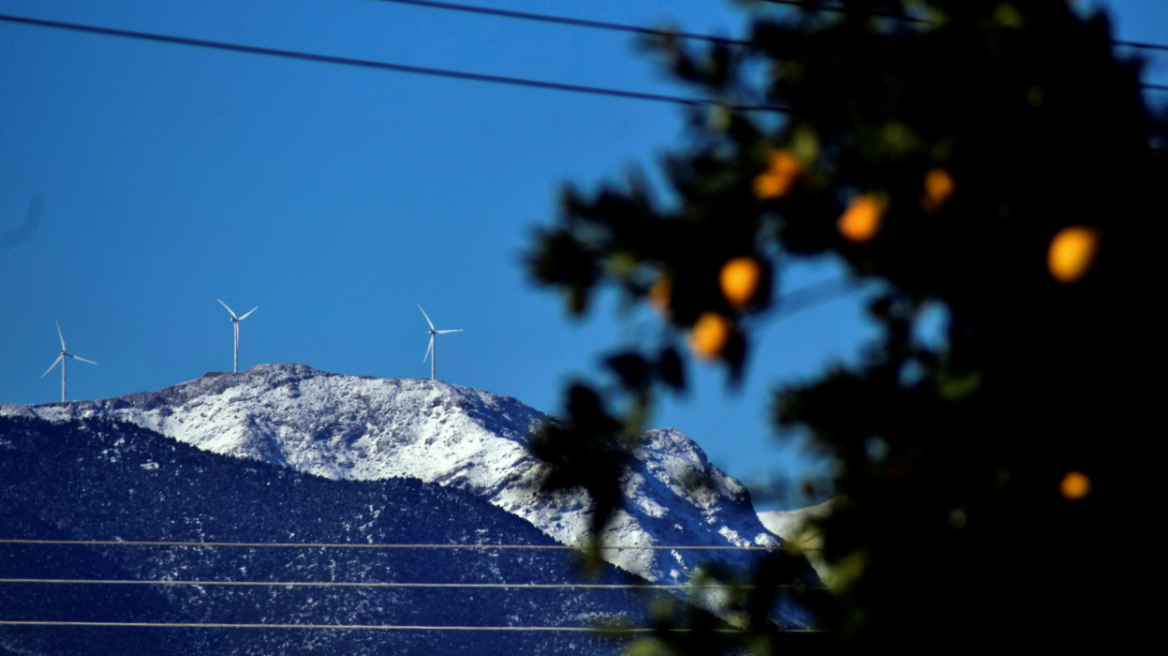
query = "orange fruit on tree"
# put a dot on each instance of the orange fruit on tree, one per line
(1072, 252)
(939, 187)
(740, 280)
(783, 170)
(710, 334)
(861, 220)
(1075, 485)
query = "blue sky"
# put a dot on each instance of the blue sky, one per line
(336, 199)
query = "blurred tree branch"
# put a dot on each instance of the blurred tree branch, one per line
(991, 157)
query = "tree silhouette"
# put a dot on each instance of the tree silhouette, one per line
(993, 159)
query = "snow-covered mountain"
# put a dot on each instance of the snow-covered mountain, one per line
(102, 480)
(364, 428)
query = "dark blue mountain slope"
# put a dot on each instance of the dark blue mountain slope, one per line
(102, 480)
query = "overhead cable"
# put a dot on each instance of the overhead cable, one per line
(398, 68)
(368, 627)
(648, 31)
(624, 27)
(564, 20)
(1141, 44)
(385, 66)
(386, 584)
(359, 545)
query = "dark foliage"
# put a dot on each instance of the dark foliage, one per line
(992, 159)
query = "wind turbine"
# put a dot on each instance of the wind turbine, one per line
(235, 323)
(430, 352)
(61, 359)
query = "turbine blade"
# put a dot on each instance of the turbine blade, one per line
(78, 357)
(60, 335)
(249, 312)
(228, 309)
(443, 332)
(427, 318)
(59, 358)
(429, 349)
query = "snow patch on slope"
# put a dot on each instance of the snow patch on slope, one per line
(797, 527)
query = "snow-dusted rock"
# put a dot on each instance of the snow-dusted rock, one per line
(797, 528)
(359, 427)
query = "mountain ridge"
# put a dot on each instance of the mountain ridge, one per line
(366, 428)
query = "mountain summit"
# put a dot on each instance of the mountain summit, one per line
(365, 428)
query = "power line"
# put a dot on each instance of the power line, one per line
(385, 584)
(624, 27)
(1141, 44)
(564, 20)
(378, 627)
(379, 65)
(404, 68)
(358, 545)
(648, 31)
(367, 627)
(810, 295)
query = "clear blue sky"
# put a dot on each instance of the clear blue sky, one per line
(337, 198)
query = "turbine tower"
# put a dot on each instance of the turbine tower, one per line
(235, 323)
(430, 352)
(61, 359)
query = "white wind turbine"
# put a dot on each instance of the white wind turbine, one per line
(235, 323)
(430, 352)
(61, 359)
